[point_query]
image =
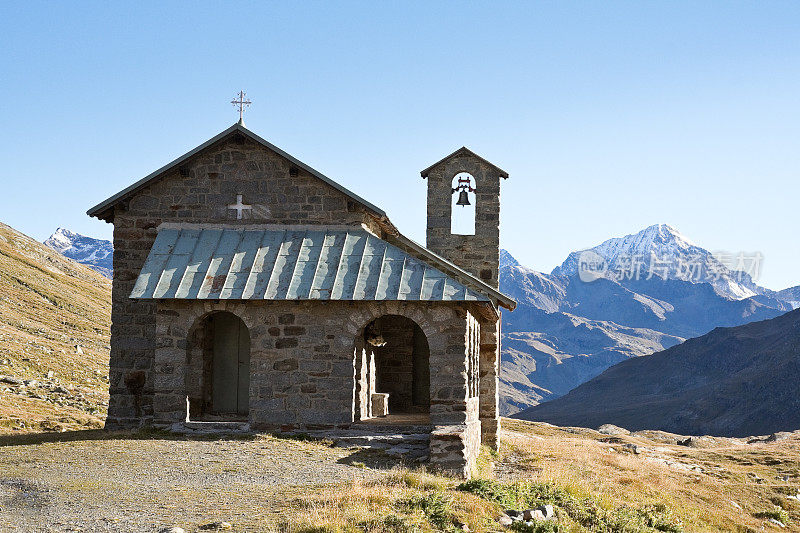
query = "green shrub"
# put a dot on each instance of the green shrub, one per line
(436, 507)
(522, 495)
(777, 514)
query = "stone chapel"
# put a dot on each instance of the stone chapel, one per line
(250, 287)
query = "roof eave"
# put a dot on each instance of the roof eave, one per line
(502, 299)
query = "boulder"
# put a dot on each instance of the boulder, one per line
(547, 511)
(217, 526)
(540, 514)
(611, 429)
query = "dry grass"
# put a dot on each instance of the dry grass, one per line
(48, 306)
(702, 486)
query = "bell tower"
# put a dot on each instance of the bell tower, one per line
(465, 181)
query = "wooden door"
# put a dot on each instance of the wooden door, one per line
(231, 365)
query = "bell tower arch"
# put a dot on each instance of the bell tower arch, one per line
(478, 253)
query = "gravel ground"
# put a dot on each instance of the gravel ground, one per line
(93, 481)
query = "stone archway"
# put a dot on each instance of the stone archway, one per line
(393, 369)
(218, 368)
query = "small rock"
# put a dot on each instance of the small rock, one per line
(547, 511)
(633, 447)
(31, 383)
(217, 526)
(173, 529)
(777, 523)
(78, 349)
(611, 429)
(689, 441)
(11, 380)
(505, 520)
(516, 516)
(50, 374)
(775, 437)
(736, 505)
(534, 515)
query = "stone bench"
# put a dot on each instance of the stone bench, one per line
(380, 403)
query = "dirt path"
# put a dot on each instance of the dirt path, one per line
(90, 481)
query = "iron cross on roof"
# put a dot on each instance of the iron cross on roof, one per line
(242, 103)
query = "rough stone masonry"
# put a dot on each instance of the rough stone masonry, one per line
(335, 321)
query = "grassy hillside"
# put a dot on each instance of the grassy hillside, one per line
(733, 381)
(55, 318)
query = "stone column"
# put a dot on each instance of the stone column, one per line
(490, 382)
(169, 367)
(455, 440)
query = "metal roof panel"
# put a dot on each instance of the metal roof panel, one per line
(315, 263)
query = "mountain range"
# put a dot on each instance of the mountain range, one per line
(626, 297)
(97, 254)
(731, 382)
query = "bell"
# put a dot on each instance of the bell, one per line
(463, 198)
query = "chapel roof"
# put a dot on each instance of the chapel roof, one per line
(271, 262)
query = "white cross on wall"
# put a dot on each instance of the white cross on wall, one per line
(239, 207)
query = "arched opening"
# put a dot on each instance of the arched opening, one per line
(393, 370)
(462, 212)
(218, 368)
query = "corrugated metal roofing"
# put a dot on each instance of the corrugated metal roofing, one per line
(229, 263)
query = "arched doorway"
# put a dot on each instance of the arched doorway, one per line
(218, 361)
(394, 361)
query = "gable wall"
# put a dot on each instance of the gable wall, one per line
(213, 179)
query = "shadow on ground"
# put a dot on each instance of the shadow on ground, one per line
(374, 459)
(22, 439)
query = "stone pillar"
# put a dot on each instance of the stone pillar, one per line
(169, 367)
(455, 440)
(490, 382)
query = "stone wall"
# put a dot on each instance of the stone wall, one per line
(200, 191)
(302, 360)
(478, 254)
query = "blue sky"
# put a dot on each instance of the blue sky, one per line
(609, 116)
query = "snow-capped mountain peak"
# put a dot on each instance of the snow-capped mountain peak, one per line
(658, 251)
(658, 239)
(61, 240)
(97, 254)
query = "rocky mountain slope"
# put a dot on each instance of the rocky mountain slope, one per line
(634, 298)
(97, 254)
(731, 382)
(54, 337)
